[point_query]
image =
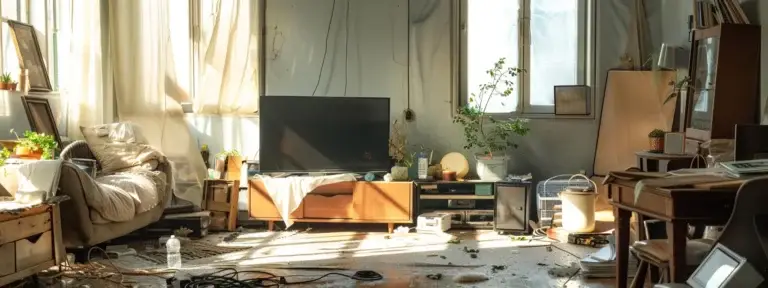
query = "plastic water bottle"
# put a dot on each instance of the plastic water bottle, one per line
(173, 247)
(423, 166)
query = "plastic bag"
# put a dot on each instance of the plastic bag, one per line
(719, 150)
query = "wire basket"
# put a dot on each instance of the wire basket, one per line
(548, 194)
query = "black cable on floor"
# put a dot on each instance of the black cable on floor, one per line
(231, 279)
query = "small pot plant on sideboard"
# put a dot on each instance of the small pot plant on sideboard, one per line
(486, 133)
(397, 150)
(7, 83)
(656, 141)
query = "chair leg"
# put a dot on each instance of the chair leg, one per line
(655, 274)
(642, 271)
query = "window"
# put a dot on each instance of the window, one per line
(547, 38)
(41, 14)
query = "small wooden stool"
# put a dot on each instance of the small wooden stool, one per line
(656, 253)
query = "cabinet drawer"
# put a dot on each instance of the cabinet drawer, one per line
(329, 206)
(8, 259)
(34, 250)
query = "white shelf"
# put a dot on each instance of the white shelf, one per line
(455, 197)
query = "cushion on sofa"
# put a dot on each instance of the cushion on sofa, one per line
(120, 146)
(121, 196)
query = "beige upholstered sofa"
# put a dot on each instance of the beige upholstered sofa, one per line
(81, 226)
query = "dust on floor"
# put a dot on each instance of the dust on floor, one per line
(404, 260)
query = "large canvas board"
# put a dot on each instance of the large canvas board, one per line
(633, 105)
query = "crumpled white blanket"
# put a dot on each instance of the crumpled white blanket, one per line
(287, 193)
(36, 180)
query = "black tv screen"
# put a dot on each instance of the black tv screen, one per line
(323, 134)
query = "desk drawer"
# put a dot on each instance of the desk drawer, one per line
(8, 258)
(34, 250)
(329, 206)
(647, 202)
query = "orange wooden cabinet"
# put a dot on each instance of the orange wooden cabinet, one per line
(345, 202)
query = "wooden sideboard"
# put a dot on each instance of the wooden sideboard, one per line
(344, 202)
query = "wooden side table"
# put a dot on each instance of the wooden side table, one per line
(660, 162)
(221, 198)
(30, 242)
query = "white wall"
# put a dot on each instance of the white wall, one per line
(379, 49)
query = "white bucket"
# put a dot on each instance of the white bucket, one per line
(491, 168)
(579, 208)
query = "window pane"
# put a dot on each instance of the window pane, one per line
(10, 61)
(180, 42)
(554, 48)
(63, 39)
(492, 33)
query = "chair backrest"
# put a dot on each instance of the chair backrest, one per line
(745, 230)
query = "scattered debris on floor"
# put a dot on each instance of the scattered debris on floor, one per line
(470, 277)
(473, 256)
(437, 276)
(518, 238)
(454, 240)
(497, 268)
(563, 271)
(467, 250)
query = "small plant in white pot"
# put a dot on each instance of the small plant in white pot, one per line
(399, 153)
(483, 132)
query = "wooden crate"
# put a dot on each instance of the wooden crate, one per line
(30, 242)
(221, 197)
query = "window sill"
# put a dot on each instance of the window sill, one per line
(543, 116)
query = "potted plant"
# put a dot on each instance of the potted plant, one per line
(656, 139)
(35, 146)
(486, 133)
(397, 150)
(677, 88)
(11, 85)
(5, 80)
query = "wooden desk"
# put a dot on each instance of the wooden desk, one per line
(679, 207)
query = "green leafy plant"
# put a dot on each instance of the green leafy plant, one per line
(227, 153)
(657, 133)
(4, 155)
(677, 88)
(397, 146)
(38, 142)
(6, 78)
(483, 131)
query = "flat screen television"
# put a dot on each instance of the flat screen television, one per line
(323, 134)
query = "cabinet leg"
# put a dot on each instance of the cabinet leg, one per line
(270, 225)
(390, 227)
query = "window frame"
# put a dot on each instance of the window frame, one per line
(24, 14)
(524, 107)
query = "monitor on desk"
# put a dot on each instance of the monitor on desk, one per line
(724, 268)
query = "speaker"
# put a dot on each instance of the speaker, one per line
(512, 207)
(674, 143)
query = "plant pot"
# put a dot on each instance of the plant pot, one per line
(399, 173)
(11, 86)
(491, 168)
(3, 86)
(657, 144)
(27, 153)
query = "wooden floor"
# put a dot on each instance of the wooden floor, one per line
(405, 260)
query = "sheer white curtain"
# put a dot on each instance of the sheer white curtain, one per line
(140, 52)
(86, 85)
(229, 58)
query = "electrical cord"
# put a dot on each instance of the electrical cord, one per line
(231, 279)
(325, 54)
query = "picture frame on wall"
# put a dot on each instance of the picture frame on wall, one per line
(572, 100)
(30, 56)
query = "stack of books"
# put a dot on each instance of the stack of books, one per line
(602, 264)
(746, 168)
(710, 13)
